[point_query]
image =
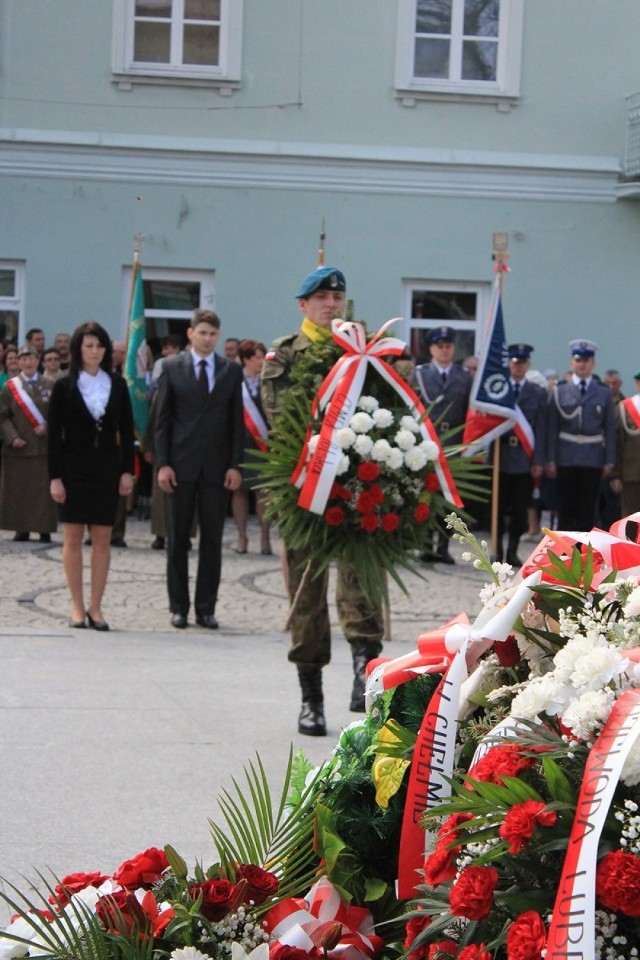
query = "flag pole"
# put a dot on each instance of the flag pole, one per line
(323, 237)
(137, 243)
(500, 257)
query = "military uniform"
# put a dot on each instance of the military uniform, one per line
(628, 454)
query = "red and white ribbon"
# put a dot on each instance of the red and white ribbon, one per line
(253, 419)
(571, 932)
(25, 402)
(631, 407)
(303, 922)
(343, 387)
(616, 550)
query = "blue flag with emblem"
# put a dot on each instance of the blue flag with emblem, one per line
(135, 364)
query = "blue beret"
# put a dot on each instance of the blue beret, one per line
(324, 278)
(441, 333)
(520, 351)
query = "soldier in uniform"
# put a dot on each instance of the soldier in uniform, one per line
(626, 480)
(517, 467)
(445, 389)
(581, 438)
(321, 296)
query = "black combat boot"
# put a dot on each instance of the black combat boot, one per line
(512, 555)
(311, 721)
(361, 656)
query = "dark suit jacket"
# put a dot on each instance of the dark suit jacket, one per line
(446, 406)
(198, 436)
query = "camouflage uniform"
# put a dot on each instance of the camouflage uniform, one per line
(360, 617)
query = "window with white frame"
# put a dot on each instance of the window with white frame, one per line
(429, 304)
(11, 300)
(170, 297)
(196, 41)
(459, 47)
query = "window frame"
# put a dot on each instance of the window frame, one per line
(482, 291)
(505, 89)
(226, 76)
(17, 302)
(205, 277)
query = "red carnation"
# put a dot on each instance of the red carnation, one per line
(368, 471)
(369, 522)
(74, 883)
(377, 493)
(390, 522)
(448, 833)
(413, 928)
(431, 482)
(261, 884)
(439, 866)
(471, 895)
(365, 502)
(618, 883)
(474, 951)
(507, 651)
(335, 516)
(500, 762)
(521, 820)
(421, 512)
(142, 870)
(526, 937)
(338, 492)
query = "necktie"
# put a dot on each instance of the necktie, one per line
(516, 391)
(444, 378)
(203, 379)
(583, 387)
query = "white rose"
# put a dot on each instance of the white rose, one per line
(409, 423)
(381, 451)
(363, 445)
(383, 418)
(405, 439)
(396, 459)
(345, 437)
(343, 466)
(369, 404)
(361, 422)
(415, 459)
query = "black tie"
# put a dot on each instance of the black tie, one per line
(583, 387)
(444, 378)
(516, 391)
(203, 379)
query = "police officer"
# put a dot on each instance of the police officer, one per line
(445, 389)
(321, 297)
(581, 438)
(519, 467)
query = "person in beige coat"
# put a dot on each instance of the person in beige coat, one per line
(25, 503)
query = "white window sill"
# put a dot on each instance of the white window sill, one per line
(126, 81)
(409, 97)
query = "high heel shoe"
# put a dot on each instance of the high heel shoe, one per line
(77, 624)
(101, 625)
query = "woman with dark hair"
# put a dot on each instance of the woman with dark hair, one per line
(91, 456)
(251, 354)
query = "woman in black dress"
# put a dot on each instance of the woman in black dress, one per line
(90, 462)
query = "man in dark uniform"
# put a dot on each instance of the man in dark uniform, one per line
(321, 297)
(445, 389)
(581, 438)
(518, 467)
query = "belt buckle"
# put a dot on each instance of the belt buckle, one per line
(513, 440)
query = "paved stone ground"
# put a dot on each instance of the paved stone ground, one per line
(110, 743)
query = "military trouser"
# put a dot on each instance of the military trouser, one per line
(360, 616)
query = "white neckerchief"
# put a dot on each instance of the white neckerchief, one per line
(95, 391)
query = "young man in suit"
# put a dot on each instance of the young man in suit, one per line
(199, 439)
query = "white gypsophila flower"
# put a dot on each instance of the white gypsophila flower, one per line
(381, 451)
(430, 449)
(382, 418)
(589, 713)
(395, 459)
(631, 766)
(363, 445)
(597, 668)
(345, 437)
(368, 404)
(405, 439)
(632, 604)
(415, 459)
(343, 465)
(409, 423)
(314, 439)
(361, 422)
(187, 953)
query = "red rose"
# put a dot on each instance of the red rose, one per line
(618, 883)
(377, 493)
(431, 482)
(335, 516)
(444, 948)
(390, 522)
(368, 471)
(413, 928)
(448, 833)
(142, 870)
(474, 951)
(521, 820)
(74, 883)
(217, 897)
(439, 866)
(282, 951)
(526, 937)
(120, 912)
(507, 651)
(421, 512)
(365, 502)
(369, 522)
(261, 883)
(114, 911)
(471, 895)
(500, 762)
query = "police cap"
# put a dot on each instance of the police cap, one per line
(441, 334)
(520, 351)
(582, 348)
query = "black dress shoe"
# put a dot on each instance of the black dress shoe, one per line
(208, 621)
(514, 560)
(21, 537)
(45, 538)
(444, 558)
(100, 625)
(118, 542)
(179, 620)
(158, 543)
(77, 624)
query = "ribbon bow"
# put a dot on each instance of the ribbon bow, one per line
(342, 387)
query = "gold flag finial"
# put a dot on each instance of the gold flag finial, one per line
(321, 246)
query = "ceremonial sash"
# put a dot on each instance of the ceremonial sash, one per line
(343, 387)
(632, 409)
(253, 419)
(25, 402)
(524, 432)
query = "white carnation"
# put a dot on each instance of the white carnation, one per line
(383, 418)
(541, 695)
(415, 459)
(430, 449)
(632, 605)
(363, 445)
(381, 451)
(345, 437)
(368, 404)
(565, 659)
(409, 423)
(589, 713)
(405, 439)
(343, 465)
(631, 767)
(361, 422)
(597, 668)
(395, 459)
